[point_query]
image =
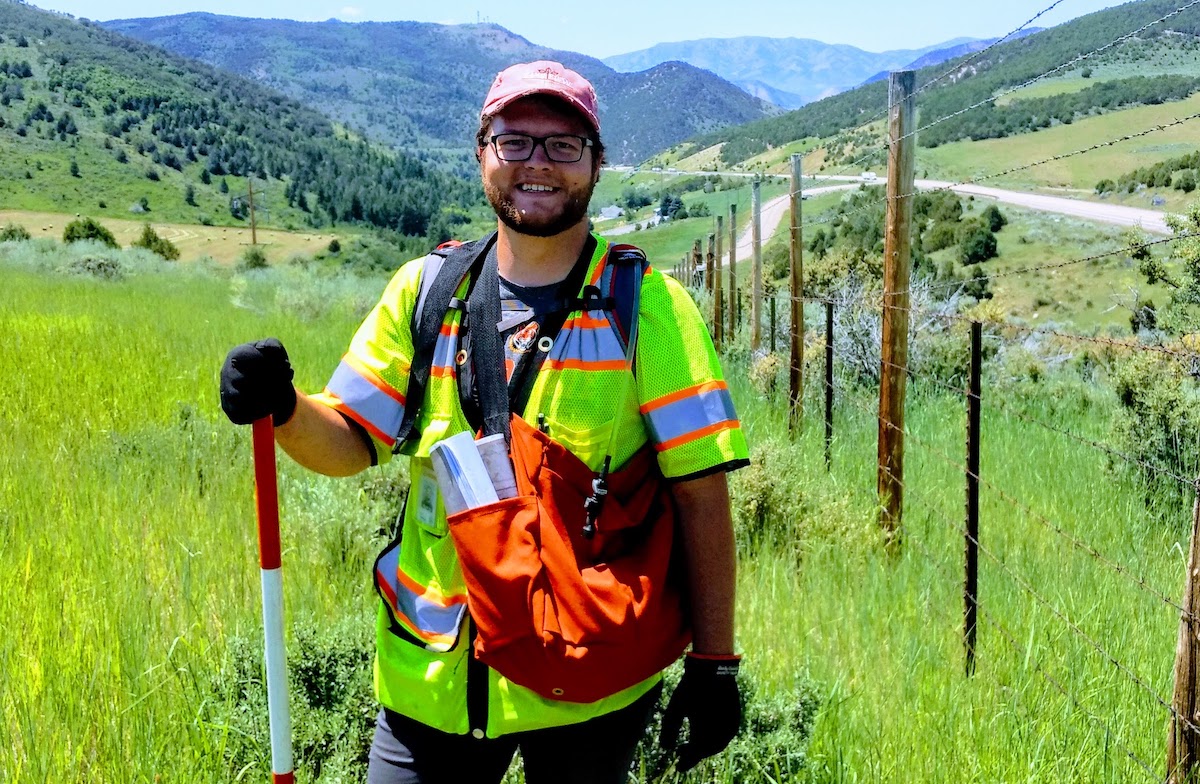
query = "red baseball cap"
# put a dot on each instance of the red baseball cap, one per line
(542, 77)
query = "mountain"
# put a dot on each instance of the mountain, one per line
(93, 121)
(1065, 50)
(939, 56)
(416, 84)
(800, 69)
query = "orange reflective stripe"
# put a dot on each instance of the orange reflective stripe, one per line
(687, 438)
(666, 400)
(428, 592)
(372, 378)
(587, 321)
(582, 364)
(336, 404)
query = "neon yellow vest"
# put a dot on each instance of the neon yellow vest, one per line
(681, 404)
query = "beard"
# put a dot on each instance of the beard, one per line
(573, 211)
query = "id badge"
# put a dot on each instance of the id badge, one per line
(427, 502)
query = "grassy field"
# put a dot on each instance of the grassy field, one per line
(127, 556)
(966, 160)
(224, 244)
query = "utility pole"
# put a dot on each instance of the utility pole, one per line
(897, 252)
(250, 198)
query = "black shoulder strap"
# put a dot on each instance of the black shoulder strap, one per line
(427, 321)
(629, 265)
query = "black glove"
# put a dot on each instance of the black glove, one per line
(256, 380)
(708, 697)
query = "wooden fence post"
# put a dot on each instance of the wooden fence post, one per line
(733, 286)
(971, 543)
(771, 316)
(756, 291)
(828, 385)
(897, 254)
(697, 265)
(796, 287)
(718, 301)
(1183, 739)
(710, 269)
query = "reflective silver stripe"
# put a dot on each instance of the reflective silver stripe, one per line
(436, 625)
(444, 350)
(379, 409)
(587, 344)
(695, 412)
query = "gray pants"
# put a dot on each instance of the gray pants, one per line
(599, 751)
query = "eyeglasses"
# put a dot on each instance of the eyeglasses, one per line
(560, 148)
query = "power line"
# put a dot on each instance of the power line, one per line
(1051, 72)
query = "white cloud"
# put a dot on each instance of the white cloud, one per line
(350, 11)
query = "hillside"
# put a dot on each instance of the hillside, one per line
(98, 123)
(794, 71)
(1099, 41)
(380, 78)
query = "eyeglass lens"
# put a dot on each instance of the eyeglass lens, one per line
(519, 147)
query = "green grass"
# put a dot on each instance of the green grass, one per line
(967, 160)
(128, 557)
(883, 636)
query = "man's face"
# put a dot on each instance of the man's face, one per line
(538, 197)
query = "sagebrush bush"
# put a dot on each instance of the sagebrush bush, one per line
(14, 232)
(771, 746)
(150, 240)
(253, 258)
(331, 701)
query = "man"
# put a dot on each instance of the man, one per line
(446, 716)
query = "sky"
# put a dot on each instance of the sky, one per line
(618, 26)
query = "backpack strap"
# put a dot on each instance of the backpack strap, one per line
(441, 275)
(622, 278)
(444, 270)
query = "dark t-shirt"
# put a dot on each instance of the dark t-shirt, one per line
(523, 311)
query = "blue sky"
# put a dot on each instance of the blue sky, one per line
(615, 26)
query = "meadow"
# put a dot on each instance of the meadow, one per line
(128, 557)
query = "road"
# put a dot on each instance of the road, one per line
(773, 211)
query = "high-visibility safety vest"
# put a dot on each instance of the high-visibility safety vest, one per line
(681, 405)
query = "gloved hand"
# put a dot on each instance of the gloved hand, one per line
(256, 380)
(708, 697)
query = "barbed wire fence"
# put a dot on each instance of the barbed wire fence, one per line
(1000, 577)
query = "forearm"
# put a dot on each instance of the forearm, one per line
(320, 439)
(708, 544)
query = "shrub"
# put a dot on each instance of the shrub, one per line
(96, 267)
(253, 258)
(772, 745)
(333, 708)
(1105, 186)
(993, 218)
(335, 246)
(978, 245)
(1186, 181)
(13, 232)
(941, 236)
(150, 240)
(88, 229)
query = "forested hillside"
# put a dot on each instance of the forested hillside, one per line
(416, 84)
(1103, 37)
(95, 121)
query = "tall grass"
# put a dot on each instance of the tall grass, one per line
(128, 557)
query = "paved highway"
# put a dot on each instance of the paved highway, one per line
(774, 211)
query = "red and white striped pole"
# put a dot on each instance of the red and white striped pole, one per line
(266, 502)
